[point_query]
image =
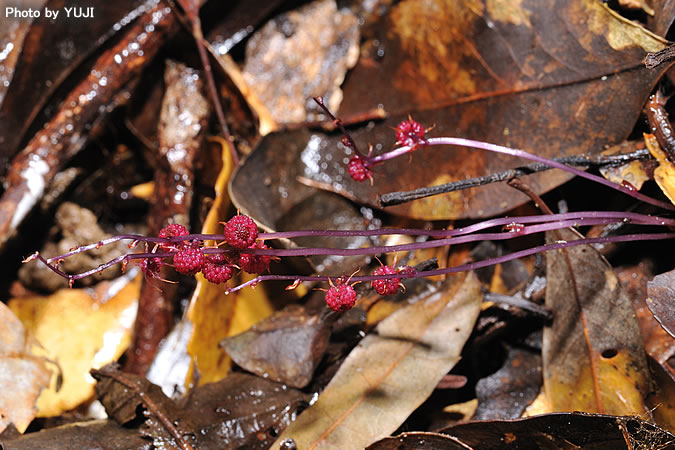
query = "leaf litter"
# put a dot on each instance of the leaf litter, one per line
(500, 72)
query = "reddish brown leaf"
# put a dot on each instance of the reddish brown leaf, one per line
(536, 75)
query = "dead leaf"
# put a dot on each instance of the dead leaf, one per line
(22, 374)
(563, 431)
(92, 435)
(302, 54)
(661, 300)
(214, 314)
(230, 413)
(501, 72)
(285, 347)
(79, 330)
(392, 371)
(594, 357)
(664, 175)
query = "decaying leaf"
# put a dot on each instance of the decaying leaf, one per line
(228, 414)
(661, 300)
(285, 347)
(92, 435)
(392, 371)
(563, 430)
(22, 374)
(501, 72)
(299, 55)
(79, 330)
(664, 175)
(594, 357)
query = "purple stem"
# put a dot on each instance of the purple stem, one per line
(465, 267)
(520, 154)
(610, 216)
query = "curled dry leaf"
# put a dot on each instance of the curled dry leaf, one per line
(22, 374)
(594, 356)
(392, 371)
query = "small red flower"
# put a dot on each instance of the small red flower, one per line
(255, 263)
(358, 170)
(340, 297)
(189, 261)
(409, 133)
(387, 286)
(172, 230)
(241, 231)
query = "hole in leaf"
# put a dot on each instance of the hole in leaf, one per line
(609, 353)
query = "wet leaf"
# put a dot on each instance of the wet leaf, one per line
(563, 430)
(214, 314)
(661, 300)
(285, 347)
(239, 411)
(22, 374)
(392, 371)
(418, 441)
(79, 330)
(594, 357)
(504, 73)
(302, 54)
(505, 393)
(93, 435)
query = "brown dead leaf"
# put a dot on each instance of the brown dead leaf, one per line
(79, 329)
(392, 371)
(594, 357)
(540, 76)
(562, 431)
(285, 347)
(22, 374)
(661, 300)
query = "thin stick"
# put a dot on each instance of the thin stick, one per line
(397, 198)
(461, 142)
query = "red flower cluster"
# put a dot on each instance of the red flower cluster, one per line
(241, 232)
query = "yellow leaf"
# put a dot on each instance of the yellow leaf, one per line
(214, 314)
(79, 332)
(664, 175)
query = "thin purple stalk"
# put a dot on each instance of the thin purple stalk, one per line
(578, 218)
(520, 154)
(464, 267)
(463, 239)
